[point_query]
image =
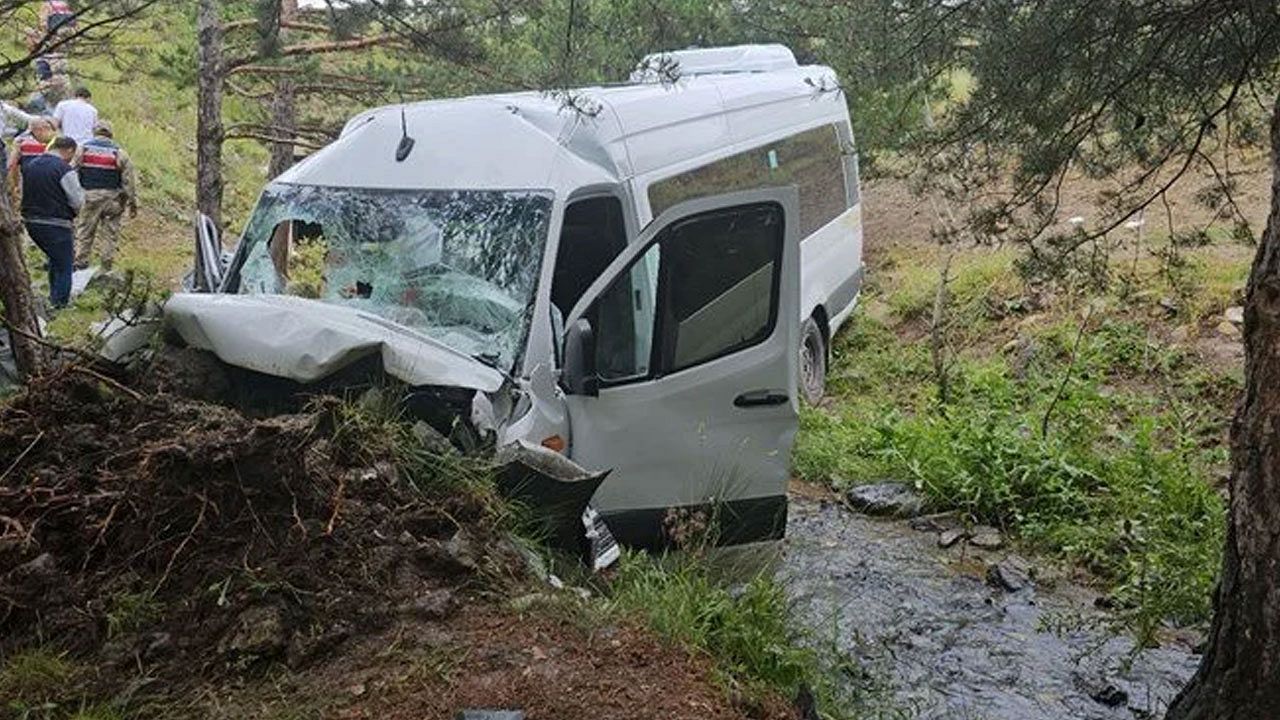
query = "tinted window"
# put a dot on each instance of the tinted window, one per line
(811, 160)
(720, 274)
(707, 288)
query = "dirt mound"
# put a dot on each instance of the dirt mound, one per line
(182, 547)
(137, 505)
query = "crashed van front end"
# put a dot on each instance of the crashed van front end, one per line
(336, 288)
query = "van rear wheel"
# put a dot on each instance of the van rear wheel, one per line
(813, 362)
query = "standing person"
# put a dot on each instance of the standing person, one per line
(55, 15)
(110, 185)
(9, 112)
(77, 116)
(51, 197)
(26, 146)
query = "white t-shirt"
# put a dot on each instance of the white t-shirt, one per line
(78, 118)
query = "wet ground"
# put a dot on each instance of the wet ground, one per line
(949, 644)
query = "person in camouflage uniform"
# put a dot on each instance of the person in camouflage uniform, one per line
(111, 186)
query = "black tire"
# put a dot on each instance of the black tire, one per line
(813, 362)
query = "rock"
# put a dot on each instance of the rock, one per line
(888, 498)
(1228, 330)
(1009, 575)
(433, 440)
(260, 633)
(434, 605)
(1169, 305)
(1180, 335)
(43, 566)
(1110, 695)
(110, 282)
(987, 538)
(1234, 315)
(947, 538)
(457, 556)
(461, 548)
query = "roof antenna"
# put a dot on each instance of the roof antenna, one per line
(406, 143)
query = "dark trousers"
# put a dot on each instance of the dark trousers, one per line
(59, 245)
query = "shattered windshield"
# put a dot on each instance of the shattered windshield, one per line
(460, 266)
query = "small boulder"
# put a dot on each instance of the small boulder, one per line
(260, 634)
(1234, 315)
(433, 605)
(947, 538)
(892, 499)
(433, 440)
(1009, 575)
(1110, 695)
(986, 538)
(1227, 329)
(43, 567)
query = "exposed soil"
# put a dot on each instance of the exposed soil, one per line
(204, 564)
(895, 215)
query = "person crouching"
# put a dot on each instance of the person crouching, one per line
(51, 197)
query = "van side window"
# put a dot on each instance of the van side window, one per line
(593, 234)
(811, 160)
(707, 288)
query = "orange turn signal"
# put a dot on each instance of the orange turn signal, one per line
(555, 442)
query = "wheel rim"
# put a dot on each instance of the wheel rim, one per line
(811, 366)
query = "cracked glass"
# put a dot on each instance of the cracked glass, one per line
(460, 266)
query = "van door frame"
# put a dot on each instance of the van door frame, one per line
(543, 347)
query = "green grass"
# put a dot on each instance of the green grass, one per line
(131, 611)
(747, 629)
(1121, 482)
(34, 681)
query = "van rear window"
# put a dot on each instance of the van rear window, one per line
(810, 160)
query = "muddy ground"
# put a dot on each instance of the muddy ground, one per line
(187, 561)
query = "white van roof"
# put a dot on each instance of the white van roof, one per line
(611, 133)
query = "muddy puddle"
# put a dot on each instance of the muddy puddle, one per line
(950, 645)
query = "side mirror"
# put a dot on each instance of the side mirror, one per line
(579, 377)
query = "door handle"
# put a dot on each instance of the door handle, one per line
(760, 398)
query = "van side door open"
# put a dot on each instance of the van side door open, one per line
(680, 369)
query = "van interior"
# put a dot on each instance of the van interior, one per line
(593, 235)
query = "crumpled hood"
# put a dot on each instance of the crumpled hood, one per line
(308, 340)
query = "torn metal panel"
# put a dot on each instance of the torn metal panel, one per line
(555, 488)
(308, 340)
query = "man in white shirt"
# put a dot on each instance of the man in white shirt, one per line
(8, 112)
(77, 117)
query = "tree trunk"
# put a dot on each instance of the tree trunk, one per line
(209, 131)
(284, 111)
(1239, 675)
(16, 296)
